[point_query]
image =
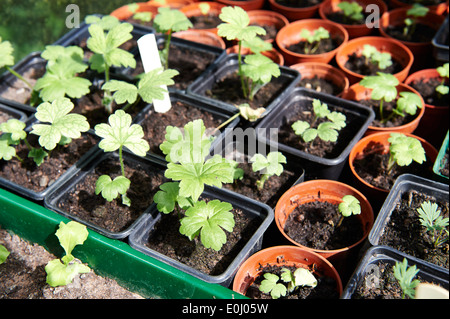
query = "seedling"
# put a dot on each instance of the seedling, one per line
(403, 150)
(119, 133)
(327, 130)
(405, 276)
(350, 205)
(430, 217)
(168, 21)
(416, 11)
(352, 11)
(300, 277)
(268, 166)
(62, 273)
(313, 38)
(384, 89)
(143, 17)
(372, 55)
(443, 72)
(4, 253)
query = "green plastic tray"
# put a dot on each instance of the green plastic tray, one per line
(438, 162)
(108, 257)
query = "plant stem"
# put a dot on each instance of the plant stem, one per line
(107, 94)
(19, 77)
(244, 88)
(381, 110)
(227, 122)
(122, 167)
(169, 37)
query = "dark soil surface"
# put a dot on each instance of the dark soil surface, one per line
(325, 289)
(320, 85)
(316, 225)
(298, 3)
(271, 31)
(427, 89)
(341, 18)
(325, 45)
(388, 108)
(38, 178)
(209, 21)
(360, 65)
(4, 117)
(422, 33)
(404, 231)
(113, 216)
(17, 90)
(444, 164)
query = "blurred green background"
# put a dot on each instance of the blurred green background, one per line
(30, 25)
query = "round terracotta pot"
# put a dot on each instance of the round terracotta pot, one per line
(379, 143)
(441, 8)
(354, 30)
(124, 13)
(269, 18)
(292, 13)
(174, 4)
(201, 36)
(434, 124)
(273, 54)
(325, 71)
(284, 256)
(421, 50)
(290, 34)
(398, 51)
(193, 10)
(358, 92)
(244, 4)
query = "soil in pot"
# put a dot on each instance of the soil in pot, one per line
(319, 84)
(209, 21)
(359, 64)
(298, 3)
(427, 89)
(23, 276)
(18, 91)
(271, 31)
(4, 117)
(316, 225)
(167, 240)
(38, 178)
(341, 18)
(325, 289)
(82, 202)
(325, 45)
(444, 164)
(405, 233)
(422, 33)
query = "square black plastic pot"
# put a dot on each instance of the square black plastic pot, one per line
(358, 116)
(52, 199)
(13, 113)
(404, 184)
(229, 65)
(374, 255)
(251, 208)
(440, 43)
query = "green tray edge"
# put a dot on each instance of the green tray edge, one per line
(437, 162)
(108, 257)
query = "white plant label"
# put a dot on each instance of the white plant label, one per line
(148, 50)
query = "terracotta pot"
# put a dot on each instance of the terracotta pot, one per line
(325, 71)
(325, 191)
(273, 54)
(398, 51)
(434, 124)
(284, 256)
(201, 36)
(269, 18)
(124, 13)
(354, 30)
(358, 92)
(441, 8)
(174, 4)
(244, 4)
(421, 50)
(292, 13)
(380, 145)
(193, 10)
(290, 34)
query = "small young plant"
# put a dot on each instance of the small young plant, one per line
(416, 11)
(116, 135)
(403, 150)
(350, 205)
(4, 253)
(327, 131)
(62, 273)
(352, 11)
(313, 38)
(405, 277)
(372, 55)
(268, 166)
(143, 17)
(168, 21)
(384, 89)
(444, 73)
(300, 277)
(430, 217)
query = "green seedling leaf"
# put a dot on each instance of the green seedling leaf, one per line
(7, 152)
(349, 206)
(338, 119)
(327, 132)
(15, 128)
(320, 109)
(430, 216)
(209, 220)
(236, 25)
(271, 165)
(59, 274)
(204, 8)
(260, 68)
(250, 114)
(443, 70)
(38, 155)
(300, 127)
(257, 45)
(119, 132)
(61, 122)
(168, 197)
(312, 36)
(352, 10)
(4, 253)
(54, 52)
(408, 102)
(405, 149)
(143, 16)
(405, 276)
(71, 235)
(106, 22)
(172, 20)
(383, 86)
(6, 54)
(417, 10)
(382, 59)
(110, 189)
(270, 285)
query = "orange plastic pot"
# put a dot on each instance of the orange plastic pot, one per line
(284, 256)
(290, 34)
(434, 124)
(124, 12)
(193, 10)
(378, 143)
(398, 51)
(292, 13)
(273, 54)
(325, 191)
(328, 7)
(201, 36)
(441, 8)
(244, 4)
(324, 71)
(421, 50)
(357, 92)
(269, 18)
(174, 4)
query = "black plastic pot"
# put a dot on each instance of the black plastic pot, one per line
(374, 255)
(440, 43)
(52, 199)
(227, 66)
(251, 208)
(404, 184)
(13, 113)
(358, 116)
